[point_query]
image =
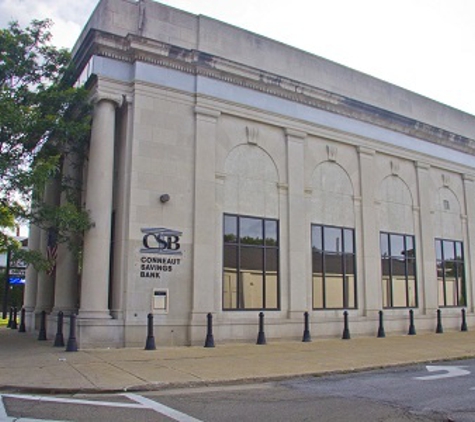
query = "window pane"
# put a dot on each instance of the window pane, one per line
(459, 269)
(440, 270)
(252, 290)
(440, 281)
(438, 249)
(251, 273)
(251, 231)
(333, 265)
(449, 269)
(317, 291)
(449, 252)
(458, 251)
(230, 290)
(384, 240)
(397, 245)
(271, 291)
(271, 233)
(272, 261)
(450, 292)
(230, 229)
(386, 268)
(411, 268)
(398, 267)
(230, 258)
(412, 294)
(410, 248)
(317, 237)
(386, 292)
(334, 291)
(349, 246)
(349, 264)
(399, 292)
(332, 239)
(252, 259)
(350, 291)
(317, 262)
(461, 292)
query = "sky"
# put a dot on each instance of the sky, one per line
(426, 46)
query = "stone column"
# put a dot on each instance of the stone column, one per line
(122, 207)
(66, 283)
(204, 242)
(99, 190)
(298, 231)
(371, 253)
(427, 274)
(31, 279)
(45, 290)
(469, 191)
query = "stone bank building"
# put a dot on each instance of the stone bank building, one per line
(232, 174)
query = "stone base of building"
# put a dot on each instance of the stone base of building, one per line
(111, 333)
(99, 333)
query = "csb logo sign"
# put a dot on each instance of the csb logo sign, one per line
(161, 241)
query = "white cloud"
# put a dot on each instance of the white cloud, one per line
(68, 17)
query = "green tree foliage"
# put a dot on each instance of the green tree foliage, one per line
(43, 120)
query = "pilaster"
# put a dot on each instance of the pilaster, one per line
(205, 219)
(427, 275)
(297, 228)
(469, 232)
(371, 254)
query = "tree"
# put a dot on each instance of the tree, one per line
(43, 120)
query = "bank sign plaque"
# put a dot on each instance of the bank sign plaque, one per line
(160, 252)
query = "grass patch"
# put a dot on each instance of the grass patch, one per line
(3, 322)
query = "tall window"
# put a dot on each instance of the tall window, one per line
(450, 273)
(251, 263)
(333, 267)
(398, 261)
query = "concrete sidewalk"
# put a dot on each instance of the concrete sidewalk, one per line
(29, 365)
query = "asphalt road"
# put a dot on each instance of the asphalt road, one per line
(439, 392)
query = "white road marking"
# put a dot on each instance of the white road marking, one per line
(5, 418)
(162, 409)
(139, 403)
(450, 372)
(3, 411)
(74, 401)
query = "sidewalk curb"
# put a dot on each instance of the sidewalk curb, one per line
(154, 387)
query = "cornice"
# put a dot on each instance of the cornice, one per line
(135, 48)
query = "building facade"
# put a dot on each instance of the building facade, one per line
(231, 174)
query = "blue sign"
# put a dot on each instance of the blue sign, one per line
(17, 280)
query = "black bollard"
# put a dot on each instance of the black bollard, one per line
(22, 328)
(10, 318)
(412, 328)
(59, 339)
(14, 320)
(261, 337)
(464, 321)
(346, 329)
(306, 331)
(381, 333)
(150, 343)
(72, 345)
(209, 333)
(439, 329)
(42, 333)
